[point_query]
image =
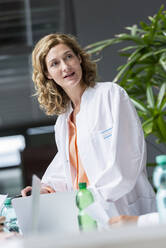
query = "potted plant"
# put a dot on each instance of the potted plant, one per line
(143, 75)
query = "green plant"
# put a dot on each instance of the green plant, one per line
(143, 75)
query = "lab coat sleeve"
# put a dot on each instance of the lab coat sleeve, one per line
(54, 176)
(150, 219)
(127, 153)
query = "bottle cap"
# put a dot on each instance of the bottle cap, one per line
(161, 159)
(82, 185)
(7, 201)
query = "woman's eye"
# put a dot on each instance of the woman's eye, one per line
(54, 63)
(69, 56)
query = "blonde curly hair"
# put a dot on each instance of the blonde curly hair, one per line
(52, 98)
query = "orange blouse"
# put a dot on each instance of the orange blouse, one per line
(77, 171)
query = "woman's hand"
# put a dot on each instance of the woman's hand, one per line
(44, 190)
(2, 220)
(123, 220)
(26, 190)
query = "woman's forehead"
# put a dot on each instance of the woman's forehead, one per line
(58, 51)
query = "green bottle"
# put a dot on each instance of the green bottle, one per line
(11, 224)
(159, 180)
(83, 199)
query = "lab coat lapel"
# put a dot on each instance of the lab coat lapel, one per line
(65, 141)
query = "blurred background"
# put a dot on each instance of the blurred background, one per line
(27, 143)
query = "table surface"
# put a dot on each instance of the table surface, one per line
(120, 237)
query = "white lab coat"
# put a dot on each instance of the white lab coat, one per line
(112, 150)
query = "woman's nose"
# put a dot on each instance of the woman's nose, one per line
(64, 65)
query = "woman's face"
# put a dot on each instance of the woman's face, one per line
(63, 66)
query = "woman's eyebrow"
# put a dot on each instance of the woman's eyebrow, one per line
(68, 51)
(52, 60)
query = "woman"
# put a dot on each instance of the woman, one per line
(98, 133)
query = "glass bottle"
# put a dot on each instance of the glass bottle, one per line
(83, 199)
(159, 180)
(11, 219)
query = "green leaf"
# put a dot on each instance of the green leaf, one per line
(128, 48)
(139, 69)
(125, 54)
(139, 105)
(138, 29)
(135, 38)
(144, 26)
(163, 106)
(131, 61)
(151, 18)
(150, 96)
(134, 30)
(162, 61)
(160, 39)
(120, 67)
(133, 55)
(141, 114)
(148, 126)
(160, 51)
(146, 55)
(96, 49)
(98, 43)
(162, 126)
(155, 22)
(161, 94)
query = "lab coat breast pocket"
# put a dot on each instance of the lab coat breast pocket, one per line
(106, 134)
(102, 140)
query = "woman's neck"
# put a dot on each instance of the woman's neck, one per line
(75, 95)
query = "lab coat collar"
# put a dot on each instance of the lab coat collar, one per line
(84, 100)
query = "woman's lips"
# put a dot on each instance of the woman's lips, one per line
(69, 75)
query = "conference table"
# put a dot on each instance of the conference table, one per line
(118, 237)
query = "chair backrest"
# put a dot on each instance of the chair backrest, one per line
(35, 160)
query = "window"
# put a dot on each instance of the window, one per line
(22, 24)
(10, 148)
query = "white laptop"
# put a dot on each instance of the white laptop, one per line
(46, 213)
